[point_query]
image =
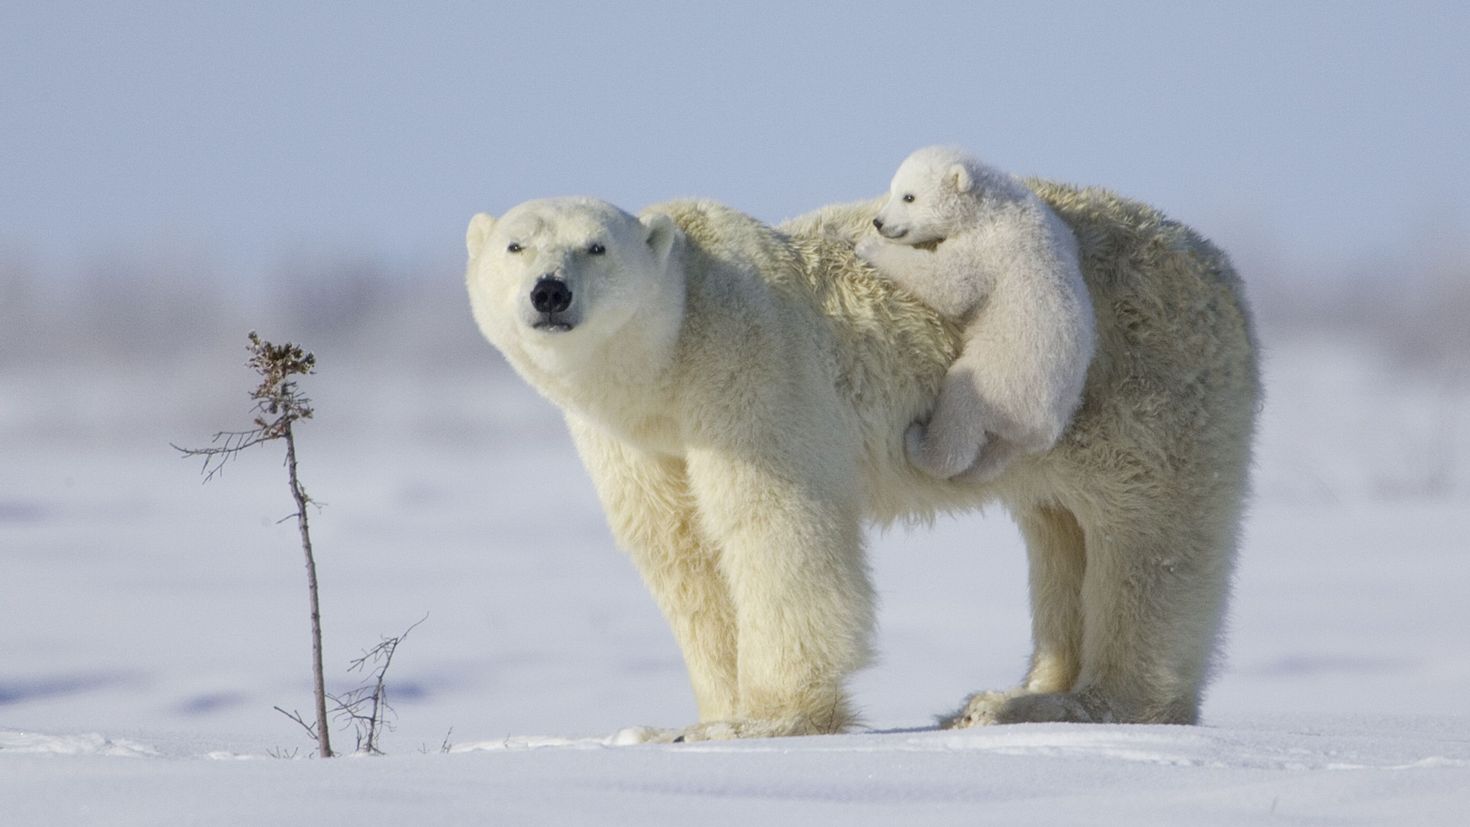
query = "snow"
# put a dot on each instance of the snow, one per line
(149, 624)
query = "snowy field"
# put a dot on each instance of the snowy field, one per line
(148, 624)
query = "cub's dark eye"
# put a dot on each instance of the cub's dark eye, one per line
(596, 249)
(908, 199)
(513, 248)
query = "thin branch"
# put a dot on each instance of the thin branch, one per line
(218, 455)
(366, 708)
(296, 716)
(319, 682)
(445, 745)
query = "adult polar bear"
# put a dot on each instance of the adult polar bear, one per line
(739, 395)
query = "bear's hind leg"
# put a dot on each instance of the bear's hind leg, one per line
(1054, 547)
(1055, 552)
(1151, 606)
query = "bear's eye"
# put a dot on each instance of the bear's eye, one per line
(596, 249)
(513, 248)
(908, 199)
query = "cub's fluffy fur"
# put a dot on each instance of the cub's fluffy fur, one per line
(978, 246)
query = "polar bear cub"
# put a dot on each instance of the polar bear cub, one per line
(977, 245)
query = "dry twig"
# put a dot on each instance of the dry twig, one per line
(366, 708)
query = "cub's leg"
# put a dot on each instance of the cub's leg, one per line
(1054, 548)
(930, 277)
(1004, 444)
(652, 515)
(952, 439)
(995, 456)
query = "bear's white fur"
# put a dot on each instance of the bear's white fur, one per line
(978, 246)
(739, 395)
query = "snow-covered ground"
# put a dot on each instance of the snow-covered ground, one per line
(149, 624)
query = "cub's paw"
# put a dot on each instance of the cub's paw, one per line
(992, 460)
(867, 248)
(932, 455)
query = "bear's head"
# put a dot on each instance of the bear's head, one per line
(558, 280)
(930, 198)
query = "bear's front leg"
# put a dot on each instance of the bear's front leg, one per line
(651, 511)
(791, 552)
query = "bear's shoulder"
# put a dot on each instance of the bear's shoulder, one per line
(723, 243)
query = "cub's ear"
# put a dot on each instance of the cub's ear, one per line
(960, 177)
(660, 233)
(479, 230)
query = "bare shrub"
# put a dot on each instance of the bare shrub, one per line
(278, 406)
(366, 708)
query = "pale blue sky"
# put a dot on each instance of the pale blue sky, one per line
(1329, 131)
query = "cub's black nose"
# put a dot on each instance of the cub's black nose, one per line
(877, 223)
(551, 295)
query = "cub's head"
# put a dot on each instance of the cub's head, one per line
(931, 197)
(561, 276)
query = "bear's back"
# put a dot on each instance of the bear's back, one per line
(1175, 381)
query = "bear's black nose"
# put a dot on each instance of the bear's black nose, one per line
(877, 223)
(551, 295)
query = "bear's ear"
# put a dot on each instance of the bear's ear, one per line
(660, 233)
(479, 230)
(960, 177)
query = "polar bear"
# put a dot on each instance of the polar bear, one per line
(978, 246)
(739, 394)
